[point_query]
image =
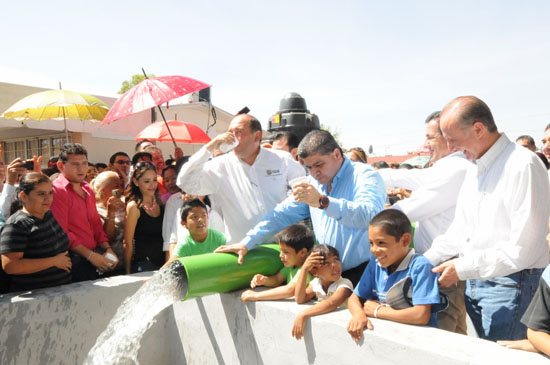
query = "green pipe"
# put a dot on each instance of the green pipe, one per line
(219, 272)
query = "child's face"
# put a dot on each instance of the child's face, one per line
(290, 257)
(331, 270)
(388, 251)
(197, 221)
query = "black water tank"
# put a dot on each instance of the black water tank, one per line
(293, 116)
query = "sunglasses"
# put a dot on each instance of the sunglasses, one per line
(145, 164)
(122, 162)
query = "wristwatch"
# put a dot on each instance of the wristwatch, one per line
(324, 202)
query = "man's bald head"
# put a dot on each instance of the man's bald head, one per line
(253, 124)
(468, 110)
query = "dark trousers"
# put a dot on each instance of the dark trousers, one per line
(82, 269)
(354, 274)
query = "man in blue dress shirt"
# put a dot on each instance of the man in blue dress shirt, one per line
(340, 196)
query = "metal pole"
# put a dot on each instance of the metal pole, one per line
(163, 117)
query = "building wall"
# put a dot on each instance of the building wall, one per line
(102, 141)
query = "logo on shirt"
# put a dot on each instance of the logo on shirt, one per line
(272, 172)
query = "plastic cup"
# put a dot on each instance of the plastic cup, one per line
(297, 181)
(224, 147)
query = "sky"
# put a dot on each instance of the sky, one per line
(372, 70)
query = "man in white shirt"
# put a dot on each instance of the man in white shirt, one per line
(527, 142)
(245, 183)
(432, 206)
(497, 239)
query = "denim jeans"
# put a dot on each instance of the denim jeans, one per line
(496, 305)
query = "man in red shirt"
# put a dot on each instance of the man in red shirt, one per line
(74, 209)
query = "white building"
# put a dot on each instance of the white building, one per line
(46, 137)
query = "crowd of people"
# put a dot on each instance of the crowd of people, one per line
(476, 245)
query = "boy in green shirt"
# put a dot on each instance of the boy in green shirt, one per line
(201, 239)
(295, 242)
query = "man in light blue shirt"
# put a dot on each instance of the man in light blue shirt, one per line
(340, 196)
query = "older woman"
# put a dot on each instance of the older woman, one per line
(33, 245)
(107, 187)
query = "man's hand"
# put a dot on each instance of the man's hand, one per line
(248, 296)
(37, 161)
(448, 273)
(238, 248)
(226, 137)
(306, 193)
(356, 325)
(15, 169)
(102, 263)
(298, 326)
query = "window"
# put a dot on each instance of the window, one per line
(26, 148)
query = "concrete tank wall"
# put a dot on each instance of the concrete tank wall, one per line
(60, 326)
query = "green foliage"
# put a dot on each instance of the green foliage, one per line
(136, 79)
(335, 133)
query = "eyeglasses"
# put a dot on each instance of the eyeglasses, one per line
(147, 164)
(122, 162)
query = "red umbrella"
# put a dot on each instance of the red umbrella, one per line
(150, 93)
(181, 132)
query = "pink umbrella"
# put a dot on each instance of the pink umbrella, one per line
(181, 132)
(150, 93)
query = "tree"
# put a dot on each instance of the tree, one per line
(335, 133)
(136, 79)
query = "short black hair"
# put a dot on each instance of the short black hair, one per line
(100, 165)
(190, 204)
(292, 139)
(433, 115)
(297, 236)
(318, 141)
(394, 222)
(71, 149)
(326, 250)
(527, 138)
(381, 165)
(138, 145)
(139, 155)
(114, 156)
(169, 167)
(255, 125)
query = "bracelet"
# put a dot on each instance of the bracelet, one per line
(109, 218)
(90, 255)
(377, 308)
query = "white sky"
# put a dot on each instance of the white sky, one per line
(372, 69)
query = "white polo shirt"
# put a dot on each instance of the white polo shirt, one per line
(243, 193)
(433, 200)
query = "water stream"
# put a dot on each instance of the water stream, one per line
(119, 343)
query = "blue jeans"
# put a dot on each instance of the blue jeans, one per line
(496, 305)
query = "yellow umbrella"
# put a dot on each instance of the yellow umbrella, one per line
(58, 105)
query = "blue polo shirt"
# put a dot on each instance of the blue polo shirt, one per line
(375, 281)
(357, 195)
